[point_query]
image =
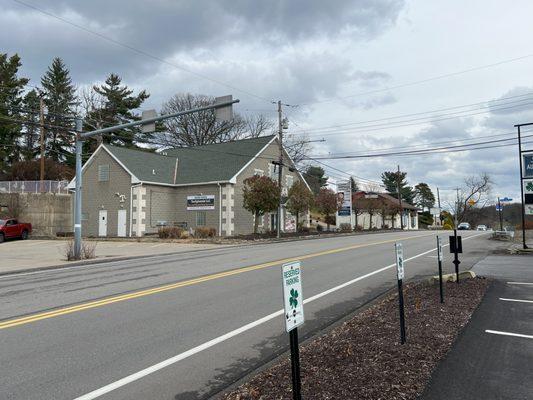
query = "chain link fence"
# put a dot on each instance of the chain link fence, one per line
(58, 187)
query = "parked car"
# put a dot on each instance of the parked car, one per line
(464, 226)
(10, 228)
(481, 228)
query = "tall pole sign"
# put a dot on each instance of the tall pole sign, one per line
(400, 274)
(291, 276)
(526, 171)
(439, 260)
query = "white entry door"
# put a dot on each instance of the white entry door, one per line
(102, 223)
(121, 228)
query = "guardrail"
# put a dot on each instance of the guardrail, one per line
(58, 187)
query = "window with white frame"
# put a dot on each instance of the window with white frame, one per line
(272, 172)
(259, 172)
(103, 173)
(289, 181)
(200, 218)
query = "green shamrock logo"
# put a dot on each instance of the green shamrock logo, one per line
(529, 187)
(293, 301)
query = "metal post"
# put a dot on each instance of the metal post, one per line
(77, 206)
(456, 255)
(439, 255)
(399, 198)
(438, 199)
(280, 138)
(501, 214)
(295, 365)
(402, 312)
(522, 189)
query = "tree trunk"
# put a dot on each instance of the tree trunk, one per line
(297, 222)
(370, 225)
(256, 223)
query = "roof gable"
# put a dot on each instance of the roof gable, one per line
(200, 164)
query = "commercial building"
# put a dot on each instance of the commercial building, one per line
(132, 192)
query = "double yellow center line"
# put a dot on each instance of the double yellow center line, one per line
(141, 293)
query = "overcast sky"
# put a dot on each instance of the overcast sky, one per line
(341, 62)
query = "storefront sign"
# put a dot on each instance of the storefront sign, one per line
(201, 202)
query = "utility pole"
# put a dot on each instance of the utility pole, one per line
(42, 141)
(280, 139)
(399, 197)
(438, 202)
(500, 211)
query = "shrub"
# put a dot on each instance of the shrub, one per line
(319, 228)
(88, 250)
(205, 232)
(527, 225)
(170, 232)
(345, 227)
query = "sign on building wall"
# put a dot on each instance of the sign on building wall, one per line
(200, 202)
(344, 191)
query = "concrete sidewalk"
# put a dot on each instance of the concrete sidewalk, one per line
(18, 255)
(493, 356)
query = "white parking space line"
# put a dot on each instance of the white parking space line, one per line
(509, 334)
(195, 350)
(520, 283)
(517, 300)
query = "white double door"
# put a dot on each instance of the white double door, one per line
(121, 223)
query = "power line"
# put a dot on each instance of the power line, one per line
(406, 123)
(464, 147)
(138, 51)
(386, 119)
(421, 81)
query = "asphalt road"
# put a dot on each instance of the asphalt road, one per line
(185, 326)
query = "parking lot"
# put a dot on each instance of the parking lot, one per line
(492, 356)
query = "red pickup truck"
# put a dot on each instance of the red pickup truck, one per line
(10, 228)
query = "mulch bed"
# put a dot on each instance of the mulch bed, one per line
(363, 359)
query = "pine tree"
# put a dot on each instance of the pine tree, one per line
(118, 107)
(390, 180)
(11, 88)
(355, 187)
(424, 197)
(60, 100)
(29, 141)
(315, 177)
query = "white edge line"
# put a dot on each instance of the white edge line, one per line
(519, 283)
(154, 368)
(509, 334)
(517, 300)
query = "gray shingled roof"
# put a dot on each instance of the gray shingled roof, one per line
(209, 163)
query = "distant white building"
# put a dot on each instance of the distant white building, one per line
(382, 211)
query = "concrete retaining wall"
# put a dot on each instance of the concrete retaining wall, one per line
(48, 213)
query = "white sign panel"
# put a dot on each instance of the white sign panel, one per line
(439, 248)
(434, 211)
(291, 275)
(529, 209)
(345, 198)
(399, 260)
(201, 202)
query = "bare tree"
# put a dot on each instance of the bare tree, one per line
(202, 128)
(474, 194)
(258, 125)
(298, 147)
